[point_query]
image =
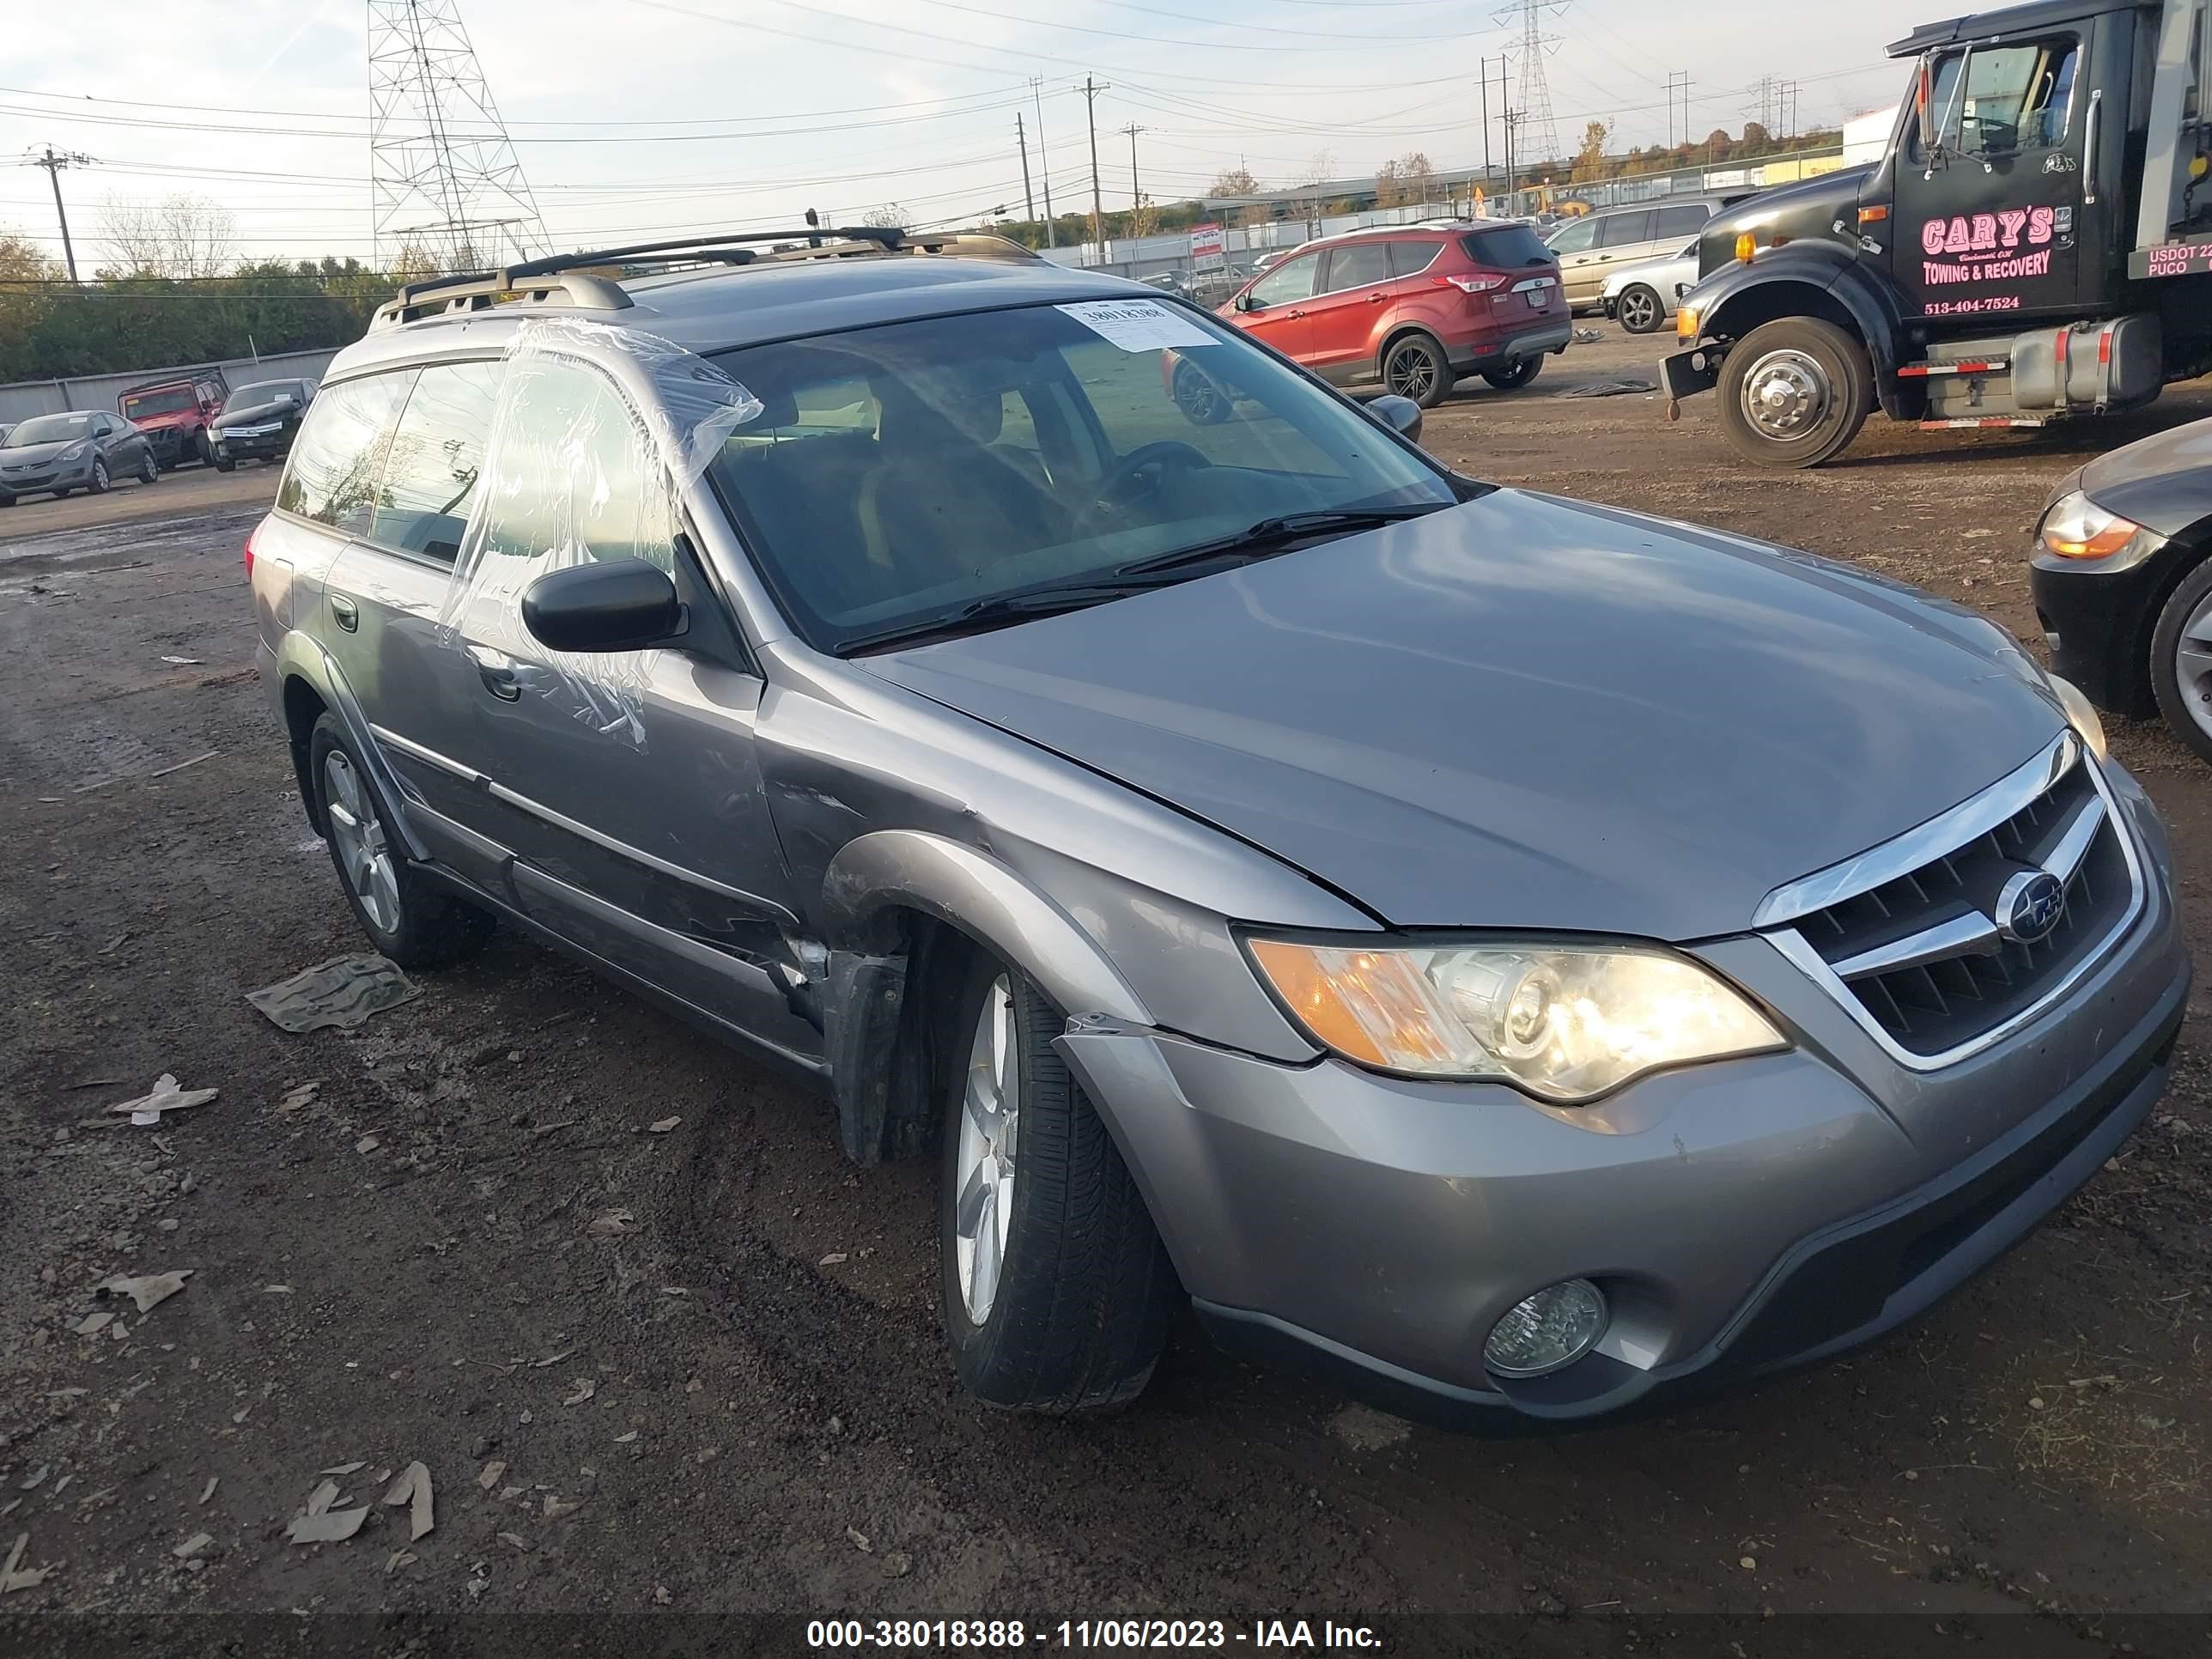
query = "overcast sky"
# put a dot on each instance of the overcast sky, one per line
(634, 119)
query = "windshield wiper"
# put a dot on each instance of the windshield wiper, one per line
(995, 612)
(1275, 532)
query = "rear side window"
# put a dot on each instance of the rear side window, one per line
(1685, 221)
(1624, 229)
(338, 456)
(571, 476)
(1509, 247)
(437, 453)
(1409, 257)
(1359, 264)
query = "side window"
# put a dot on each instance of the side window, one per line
(575, 474)
(1624, 229)
(1685, 221)
(338, 456)
(2017, 96)
(1359, 264)
(1292, 280)
(429, 482)
(1410, 259)
(1579, 237)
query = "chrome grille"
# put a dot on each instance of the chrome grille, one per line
(1913, 936)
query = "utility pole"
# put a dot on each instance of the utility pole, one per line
(1136, 196)
(53, 161)
(1513, 119)
(1091, 91)
(1044, 161)
(1022, 140)
(1678, 81)
(1485, 120)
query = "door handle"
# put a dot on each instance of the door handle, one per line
(1295, 315)
(2090, 150)
(1376, 299)
(346, 612)
(496, 671)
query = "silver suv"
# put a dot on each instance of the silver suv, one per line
(1525, 957)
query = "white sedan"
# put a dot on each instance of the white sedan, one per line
(1642, 297)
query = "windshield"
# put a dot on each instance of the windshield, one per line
(266, 391)
(172, 400)
(49, 429)
(901, 476)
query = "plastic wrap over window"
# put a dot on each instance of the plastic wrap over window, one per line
(579, 472)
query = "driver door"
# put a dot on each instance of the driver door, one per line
(1993, 218)
(1275, 308)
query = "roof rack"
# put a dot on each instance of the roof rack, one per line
(538, 281)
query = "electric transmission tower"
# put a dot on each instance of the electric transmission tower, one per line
(444, 180)
(1537, 136)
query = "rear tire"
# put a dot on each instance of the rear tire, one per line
(1513, 378)
(1057, 1293)
(149, 468)
(1794, 393)
(405, 917)
(1639, 309)
(1415, 366)
(202, 446)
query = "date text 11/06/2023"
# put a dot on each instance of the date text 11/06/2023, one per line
(990, 1635)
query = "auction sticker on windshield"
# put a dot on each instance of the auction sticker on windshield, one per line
(1138, 324)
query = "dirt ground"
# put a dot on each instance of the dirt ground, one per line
(698, 1371)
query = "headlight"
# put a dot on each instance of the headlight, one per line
(1564, 1023)
(73, 452)
(2075, 527)
(2080, 713)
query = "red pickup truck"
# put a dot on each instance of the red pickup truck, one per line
(176, 413)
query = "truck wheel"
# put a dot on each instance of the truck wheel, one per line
(1414, 366)
(1057, 1293)
(1638, 309)
(202, 447)
(1794, 393)
(2181, 662)
(405, 918)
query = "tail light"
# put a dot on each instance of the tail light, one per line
(249, 552)
(1474, 284)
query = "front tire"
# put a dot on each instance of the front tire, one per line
(1639, 309)
(1794, 393)
(225, 464)
(404, 916)
(99, 480)
(2181, 662)
(1514, 378)
(1056, 1290)
(1202, 400)
(1415, 366)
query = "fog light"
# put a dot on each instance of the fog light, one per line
(1556, 1326)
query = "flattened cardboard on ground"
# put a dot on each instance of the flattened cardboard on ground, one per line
(412, 1487)
(330, 1527)
(342, 992)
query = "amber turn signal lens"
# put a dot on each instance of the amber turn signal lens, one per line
(2075, 527)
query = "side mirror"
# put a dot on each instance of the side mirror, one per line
(623, 604)
(1401, 415)
(1246, 302)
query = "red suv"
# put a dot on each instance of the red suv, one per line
(1414, 309)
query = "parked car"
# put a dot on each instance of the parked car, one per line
(259, 422)
(1275, 256)
(83, 449)
(1588, 248)
(6, 427)
(2122, 572)
(175, 414)
(1527, 958)
(1413, 309)
(1642, 298)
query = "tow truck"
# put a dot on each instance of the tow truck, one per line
(2034, 246)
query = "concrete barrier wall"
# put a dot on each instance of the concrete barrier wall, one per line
(21, 399)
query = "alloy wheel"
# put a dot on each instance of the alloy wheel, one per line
(983, 1210)
(1412, 371)
(2193, 666)
(357, 833)
(1640, 311)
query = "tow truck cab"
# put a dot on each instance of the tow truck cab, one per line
(2032, 245)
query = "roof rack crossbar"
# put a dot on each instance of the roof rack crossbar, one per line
(889, 237)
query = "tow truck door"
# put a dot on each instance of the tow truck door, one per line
(1993, 219)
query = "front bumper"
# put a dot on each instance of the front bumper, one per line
(1686, 374)
(267, 445)
(1742, 1217)
(2098, 623)
(73, 475)
(1549, 334)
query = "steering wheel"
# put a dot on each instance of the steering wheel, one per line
(1166, 454)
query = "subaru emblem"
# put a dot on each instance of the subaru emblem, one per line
(2030, 905)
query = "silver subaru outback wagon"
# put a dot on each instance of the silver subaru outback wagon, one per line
(1525, 959)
